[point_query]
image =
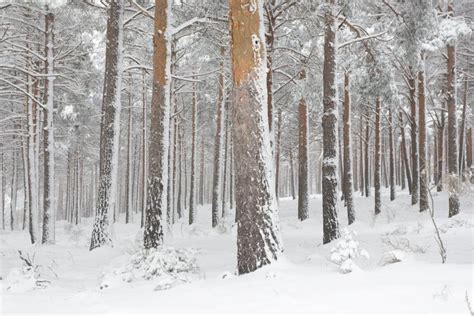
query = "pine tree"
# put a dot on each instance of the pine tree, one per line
(258, 234)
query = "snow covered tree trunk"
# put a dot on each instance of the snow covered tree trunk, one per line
(179, 198)
(423, 163)
(278, 154)
(469, 148)
(201, 170)
(392, 155)
(414, 145)
(405, 152)
(462, 132)
(366, 155)
(302, 157)
(292, 176)
(452, 128)
(226, 163)
(329, 122)
(143, 185)
(216, 180)
(347, 179)
(31, 170)
(377, 168)
(13, 187)
(128, 171)
(49, 210)
(192, 195)
(159, 131)
(109, 127)
(258, 232)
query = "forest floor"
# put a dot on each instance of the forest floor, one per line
(304, 280)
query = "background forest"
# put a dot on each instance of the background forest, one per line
(181, 144)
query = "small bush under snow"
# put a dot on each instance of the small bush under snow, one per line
(346, 251)
(392, 256)
(165, 265)
(26, 278)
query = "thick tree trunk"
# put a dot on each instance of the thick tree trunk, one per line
(159, 129)
(258, 232)
(422, 142)
(377, 169)
(2, 185)
(302, 160)
(110, 126)
(329, 123)
(347, 179)
(49, 210)
(414, 145)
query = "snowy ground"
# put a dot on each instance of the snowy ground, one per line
(305, 280)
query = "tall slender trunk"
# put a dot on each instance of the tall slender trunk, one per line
(414, 145)
(347, 179)
(454, 205)
(109, 127)
(192, 198)
(143, 186)
(377, 168)
(179, 207)
(226, 163)
(462, 131)
(278, 154)
(392, 158)
(469, 148)
(216, 183)
(422, 142)
(367, 156)
(128, 171)
(49, 210)
(2, 185)
(292, 176)
(405, 153)
(258, 232)
(302, 156)
(329, 123)
(361, 157)
(13, 188)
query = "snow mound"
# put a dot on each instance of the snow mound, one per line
(346, 251)
(24, 280)
(166, 265)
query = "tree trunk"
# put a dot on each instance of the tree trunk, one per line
(159, 129)
(377, 168)
(258, 232)
(109, 127)
(367, 156)
(292, 176)
(303, 157)
(216, 183)
(278, 154)
(405, 153)
(192, 198)
(347, 179)
(452, 128)
(143, 185)
(422, 141)
(462, 131)
(392, 154)
(49, 210)
(329, 123)
(128, 171)
(414, 146)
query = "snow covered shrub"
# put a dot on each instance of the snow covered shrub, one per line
(27, 278)
(392, 256)
(346, 251)
(166, 265)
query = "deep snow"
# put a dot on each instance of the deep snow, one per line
(304, 280)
